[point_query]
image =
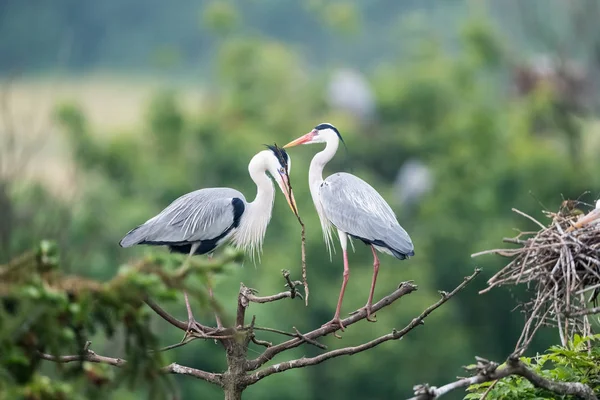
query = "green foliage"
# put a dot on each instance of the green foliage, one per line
(579, 361)
(44, 311)
(220, 16)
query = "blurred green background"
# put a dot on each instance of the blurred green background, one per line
(455, 111)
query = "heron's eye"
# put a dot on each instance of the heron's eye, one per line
(281, 170)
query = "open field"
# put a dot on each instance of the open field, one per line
(30, 141)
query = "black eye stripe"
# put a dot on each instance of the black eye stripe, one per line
(329, 126)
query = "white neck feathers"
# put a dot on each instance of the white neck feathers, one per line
(253, 224)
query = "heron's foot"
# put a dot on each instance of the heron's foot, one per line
(370, 317)
(335, 322)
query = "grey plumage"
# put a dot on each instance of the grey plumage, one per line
(201, 221)
(354, 207)
(207, 216)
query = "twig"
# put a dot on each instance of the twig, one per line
(587, 311)
(90, 356)
(259, 328)
(394, 335)
(260, 342)
(249, 295)
(308, 340)
(529, 217)
(172, 320)
(489, 371)
(178, 369)
(303, 228)
(489, 389)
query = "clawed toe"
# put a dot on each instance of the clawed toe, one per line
(336, 322)
(370, 317)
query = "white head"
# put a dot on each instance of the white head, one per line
(275, 161)
(322, 133)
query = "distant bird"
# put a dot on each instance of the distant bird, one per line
(201, 221)
(413, 181)
(354, 208)
(349, 91)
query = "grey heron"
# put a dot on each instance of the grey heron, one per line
(349, 204)
(201, 221)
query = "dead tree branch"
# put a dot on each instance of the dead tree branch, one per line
(589, 311)
(488, 371)
(90, 356)
(394, 335)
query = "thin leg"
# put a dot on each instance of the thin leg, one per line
(375, 271)
(336, 318)
(210, 293)
(191, 320)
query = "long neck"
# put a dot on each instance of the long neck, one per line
(315, 178)
(256, 217)
(315, 172)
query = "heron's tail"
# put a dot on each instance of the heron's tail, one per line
(400, 244)
(400, 255)
(133, 237)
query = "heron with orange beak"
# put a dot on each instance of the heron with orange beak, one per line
(350, 205)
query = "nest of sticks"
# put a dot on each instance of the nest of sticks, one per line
(560, 263)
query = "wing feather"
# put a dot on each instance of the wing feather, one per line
(354, 207)
(200, 215)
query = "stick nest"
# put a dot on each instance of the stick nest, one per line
(560, 263)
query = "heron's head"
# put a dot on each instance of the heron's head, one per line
(279, 165)
(321, 133)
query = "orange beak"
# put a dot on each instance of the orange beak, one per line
(590, 217)
(289, 196)
(302, 139)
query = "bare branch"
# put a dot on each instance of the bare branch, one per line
(200, 331)
(260, 328)
(394, 335)
(298, 334)
(404, 289)
(488, 371)
(309, 340)
(177, 369)
(587, 311)
(165, 315)
(260, 342)
(90, 356)
(249, 294)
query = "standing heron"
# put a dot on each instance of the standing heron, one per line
(354, 208)
(201, 221)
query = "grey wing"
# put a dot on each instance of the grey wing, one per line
(354, 207)
(204, 214)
